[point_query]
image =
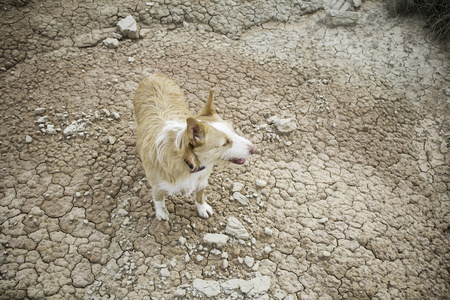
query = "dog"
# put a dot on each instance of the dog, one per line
(177, 150)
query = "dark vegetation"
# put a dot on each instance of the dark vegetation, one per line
(436, 12)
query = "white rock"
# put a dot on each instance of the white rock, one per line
(179, 293)
(325, 254)
(229, 286)
(268, 231)
(111, 140)
(144, 32)
(165, 272)
(51, 129)
(279, 295)
(267, 249)
(42, 119)
(246, 286)
(323, 220)
(71, 129)
(39, 111)
(255, 286)
(225, 264)
(111, 43)
(182, 240)
(236, 229)
(28, 139)
(237, 187)
(122, 212)
(74, 128)
(283, 125)
(256, 266)
(208, 287)
(356, 3)
(173, 263)
(249, 261)
(240, 198)
(215, 252)
(106, 112)
(131, 60)
(116, 115)
(199, 258)
(260, 183)
(341, 18)
(215, 238)
(128, 28)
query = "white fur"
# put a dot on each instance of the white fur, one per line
(204, 210)
(241, 145)
(161, 211)
(161, 138)
(196, 181)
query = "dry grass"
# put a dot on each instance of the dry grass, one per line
(436, 12)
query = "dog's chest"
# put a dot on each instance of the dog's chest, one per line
(187, 185)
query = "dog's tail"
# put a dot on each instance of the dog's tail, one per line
(156, 94)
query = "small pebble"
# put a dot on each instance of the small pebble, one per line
(260, 183)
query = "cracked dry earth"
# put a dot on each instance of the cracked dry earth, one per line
(349, 201)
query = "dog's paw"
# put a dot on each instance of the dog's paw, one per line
(162, 213)
(204, 210)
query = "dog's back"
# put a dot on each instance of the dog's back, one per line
(157, 100)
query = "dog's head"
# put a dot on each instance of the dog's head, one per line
(213, 141)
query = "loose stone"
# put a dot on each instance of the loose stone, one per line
(237, 187)
(249, 261)
(260, 183)
(111, 43)
(236, 229)
(208, 287)
(240, 198)
(128, 28)
(215, 238)
(283, 125)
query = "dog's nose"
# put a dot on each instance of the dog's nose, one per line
(252, 149)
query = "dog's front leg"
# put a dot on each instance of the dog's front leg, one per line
(203, 208)
(160, 205)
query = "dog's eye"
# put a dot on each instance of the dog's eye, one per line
(227, 142)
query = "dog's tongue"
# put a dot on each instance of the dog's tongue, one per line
(238, 161)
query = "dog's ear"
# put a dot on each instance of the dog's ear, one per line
(196, 132)
(209, 109)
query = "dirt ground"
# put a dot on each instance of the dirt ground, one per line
(352, 204)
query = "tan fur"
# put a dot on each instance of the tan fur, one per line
(158, 101)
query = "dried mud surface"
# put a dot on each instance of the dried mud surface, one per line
(353, 204)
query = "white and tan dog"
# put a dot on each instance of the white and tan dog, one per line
(178, 150)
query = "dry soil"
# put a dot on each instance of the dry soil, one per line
(352, 204)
